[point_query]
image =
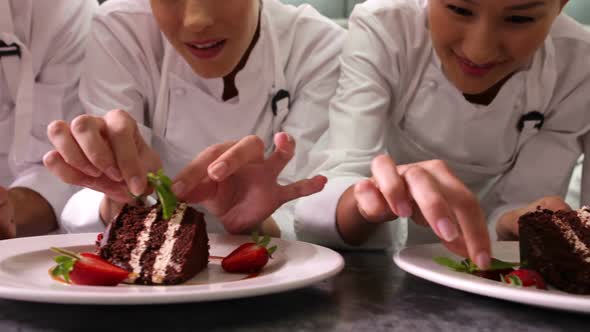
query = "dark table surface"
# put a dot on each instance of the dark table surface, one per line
(370, 294)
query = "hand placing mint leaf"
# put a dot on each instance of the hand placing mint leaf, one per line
(468, 266)
(494, 272)
(163, 186)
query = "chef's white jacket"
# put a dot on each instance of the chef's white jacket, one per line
(131, 66)
(394, 98)
(43, 46)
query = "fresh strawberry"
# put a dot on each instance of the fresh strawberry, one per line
(87, 269)
(249, 257)
(525, 278)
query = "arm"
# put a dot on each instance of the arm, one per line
(116, 75)
(358, 117)
(58, 56)
(556, 147)
(312, 83)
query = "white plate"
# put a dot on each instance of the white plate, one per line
(418, 261)
(24, 266)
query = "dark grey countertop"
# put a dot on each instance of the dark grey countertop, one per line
(371, 294)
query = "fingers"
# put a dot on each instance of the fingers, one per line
(59, 167)
(61, 137)
(467, 211)
(284, 152)
(248, 149)
(554, 203)
(123, 135)
(197, 170)
(302, 188)
(391, 185)
(431, 202)
(371, 203)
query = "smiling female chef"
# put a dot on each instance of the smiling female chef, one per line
(199, 77)
(41, 48)
(498, 89)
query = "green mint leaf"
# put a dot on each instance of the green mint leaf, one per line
(470, 267)
(452, 264)
(65, 265)
(163, 187)
(501, 265)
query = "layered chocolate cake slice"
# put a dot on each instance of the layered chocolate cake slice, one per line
(557, 245)
(156, 250)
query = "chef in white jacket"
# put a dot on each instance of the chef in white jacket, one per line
(496, 90)
(42, 44)
(209, 84)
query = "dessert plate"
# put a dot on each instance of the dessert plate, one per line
(418, 261)
(25, 264)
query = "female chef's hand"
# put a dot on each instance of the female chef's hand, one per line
(507, 225)
(235, 183)
(7, 223)
(430, 194)
(106, 154)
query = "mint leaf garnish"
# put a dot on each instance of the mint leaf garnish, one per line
(468, 266)
(445, 261)
(163, 186)
(501, 265)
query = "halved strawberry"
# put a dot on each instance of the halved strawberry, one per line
(249, 257)
(525, 278)
(87, 269)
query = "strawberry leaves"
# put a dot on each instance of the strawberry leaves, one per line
(264, 242)
(65, 263)
(163, 186)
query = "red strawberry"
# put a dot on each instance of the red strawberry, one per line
(249, 257)
(525, 278)
(87, 269)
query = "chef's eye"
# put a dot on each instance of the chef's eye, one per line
(519, 19)
(459, 10)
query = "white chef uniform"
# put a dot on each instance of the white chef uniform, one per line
(393, 97)
(131, 66)
(42, 44)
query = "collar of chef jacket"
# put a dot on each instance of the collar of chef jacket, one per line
(540, 80)
(20, 80)
(279, 84)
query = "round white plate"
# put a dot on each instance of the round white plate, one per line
(418, 261)
(24, 266)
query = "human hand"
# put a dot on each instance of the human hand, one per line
(431, 195)
(235, 183)
(507, 225)
(106, 154)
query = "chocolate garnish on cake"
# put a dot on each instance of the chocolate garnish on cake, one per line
(557, 245)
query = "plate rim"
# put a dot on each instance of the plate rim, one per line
(181, 294)
(552, 299)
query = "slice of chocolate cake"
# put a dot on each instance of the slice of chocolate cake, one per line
(155, 250)
(557, 245)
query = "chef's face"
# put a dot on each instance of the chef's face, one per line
(482, 42)
(211, 35)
